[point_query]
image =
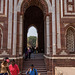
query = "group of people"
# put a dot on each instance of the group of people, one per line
(12, 68)
(9, 69)
(28, 51)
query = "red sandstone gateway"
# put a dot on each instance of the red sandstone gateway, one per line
(55, 24)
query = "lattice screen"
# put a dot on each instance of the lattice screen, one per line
(70, 40)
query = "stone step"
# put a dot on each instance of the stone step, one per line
(34, 64)
(33, 60)
(38, 61)
(41, 73)
(36, 68)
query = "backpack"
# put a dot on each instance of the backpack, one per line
(35, 71)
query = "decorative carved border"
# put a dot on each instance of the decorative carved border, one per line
(67, 9)
(3, 11)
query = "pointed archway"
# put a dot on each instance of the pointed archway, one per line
(42, 7)
(34, 16)
(32, 37)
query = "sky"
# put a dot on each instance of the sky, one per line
(32, 31)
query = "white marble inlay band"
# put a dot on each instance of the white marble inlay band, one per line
(1, 38)
(58, 25)
(61, 8)
(21, 57)
(65, 9)
(15, 28)
(49, 6)
(2, 6)
(58, 57)
(19, 5)
(65, 6)
(53, 28)
(1, 23)
(48, 35)
(74, 4)
(5, 7)
(20, 35)
(10, 24)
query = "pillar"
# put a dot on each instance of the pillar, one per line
(53, 28)
(15, 28)
(48, 34)
(20, 36)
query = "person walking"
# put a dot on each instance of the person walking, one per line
(32, 71)
(4, 68)
(26, 53)
(29, 53)
(14, 69)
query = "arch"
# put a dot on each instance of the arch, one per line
(70, 39)
(37, 20)
(27, 15)
(33, 26)
(40, 11)
(68, 27)
(32, 32)
(42, 4)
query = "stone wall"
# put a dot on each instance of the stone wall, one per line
(59, 16)
(52, 63)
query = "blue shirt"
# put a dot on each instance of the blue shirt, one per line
(33, 72)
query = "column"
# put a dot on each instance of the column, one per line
(15, 28)
(48, 34)
(58, 25)
(20, 36)
(10, 24)
(53, 28)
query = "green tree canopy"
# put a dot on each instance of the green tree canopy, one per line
(31, 41)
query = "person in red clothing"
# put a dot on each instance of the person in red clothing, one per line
(14, 69)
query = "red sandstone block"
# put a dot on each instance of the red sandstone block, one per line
(49, 73)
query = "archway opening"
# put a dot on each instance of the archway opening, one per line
(33, 16)
(32, 39)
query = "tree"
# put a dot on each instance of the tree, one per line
(31, 41)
